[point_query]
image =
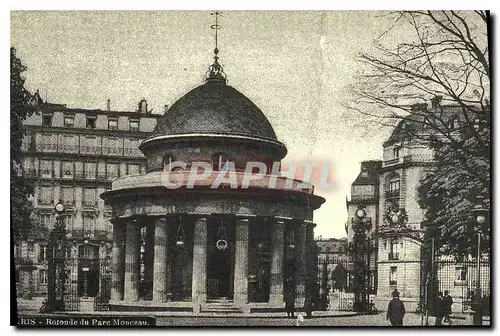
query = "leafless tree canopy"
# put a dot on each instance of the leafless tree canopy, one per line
(445, 56)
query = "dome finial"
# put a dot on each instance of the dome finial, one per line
(215, 71)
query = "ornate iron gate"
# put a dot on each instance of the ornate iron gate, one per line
(459, 279)
(78, 279)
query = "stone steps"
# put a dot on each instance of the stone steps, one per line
(220, 306)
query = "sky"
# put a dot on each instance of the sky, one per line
(295, 66)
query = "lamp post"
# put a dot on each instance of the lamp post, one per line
(361, 255)
(56, 261)
(480, 213)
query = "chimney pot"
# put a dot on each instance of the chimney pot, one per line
(436, 102)
(108, 104)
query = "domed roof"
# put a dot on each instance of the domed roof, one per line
(214, 107)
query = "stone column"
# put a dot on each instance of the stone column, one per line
(300, 263)
(149, 259)
(277, 256)
(199, 283)
(160, 260)
(132, 261)
(241, 262)
(310, 277)
(118, 262)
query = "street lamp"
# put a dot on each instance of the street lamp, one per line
(480, 213)
(56, 251)
(361, 251)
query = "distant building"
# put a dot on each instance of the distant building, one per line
(71, 155)
(389, 186)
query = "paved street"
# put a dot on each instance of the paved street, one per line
(340, 321)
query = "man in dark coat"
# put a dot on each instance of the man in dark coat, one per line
(438, 309)
(396, 310)
(290, 304)
(447, 303)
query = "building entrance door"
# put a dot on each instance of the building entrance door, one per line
(220, 275)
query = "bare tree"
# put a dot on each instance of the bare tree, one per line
(443, 56)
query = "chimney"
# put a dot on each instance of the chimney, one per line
(143, 106)
(165, 108)
(108, 104)
(436, 102)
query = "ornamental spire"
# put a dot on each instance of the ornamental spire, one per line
(215, 71)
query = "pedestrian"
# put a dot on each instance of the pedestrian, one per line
(396, 310)
(447, 303)
(438, 309)
(308, 308)
(290, 304)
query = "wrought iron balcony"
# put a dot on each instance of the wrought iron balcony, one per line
(393, 282)
(112, 151)
(91, 234)
(50, 147)
(393, 256)
(90, 150)
(30, 172)
(68, 148)
(90, 204)
(392, 193)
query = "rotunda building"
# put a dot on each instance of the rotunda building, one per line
(186, 247)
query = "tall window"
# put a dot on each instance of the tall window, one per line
(393, 276)
(393, 188)
(48, 144)
(134, 169)
(47, 120)
(89, 222)
(394, 250)
(67, 169)
(167, 162)
(90, 170)
(45, 220)
(134, 125)
(460, 274)
(46, 168)
(42, 276)
(114, 146)
(218, 161)
(113, 124)
(395, 151)
(112, 171)
(69, 221)
(46, 195)
(42, 253)
(89, 197)
(68, 195)
(91, 121)
(69, 121)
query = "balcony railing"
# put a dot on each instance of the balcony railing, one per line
(393, 256)
(393, 282)
(90, 150)
(30, 172)
(96, 234)
(392, 193)
(75, 175)
(355, 197)
(68, 148)
(91, 203)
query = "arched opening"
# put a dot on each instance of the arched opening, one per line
(218, 161)
(167, 162)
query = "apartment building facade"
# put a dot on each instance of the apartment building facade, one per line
(70, 156)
